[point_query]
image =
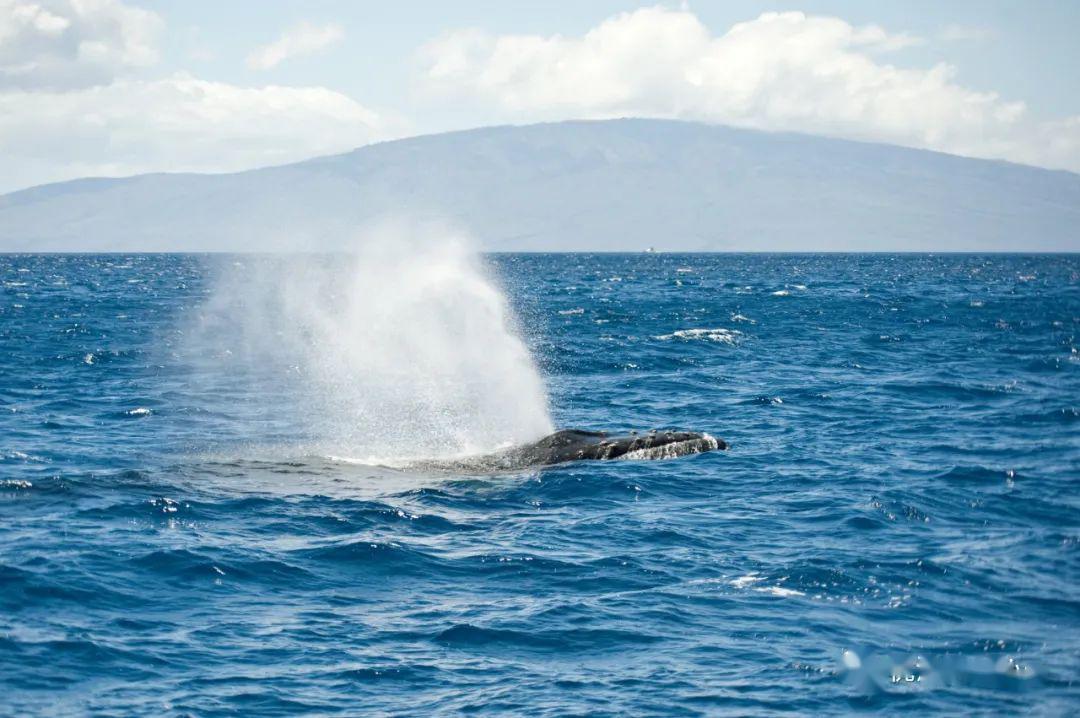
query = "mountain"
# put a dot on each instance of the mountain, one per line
(600, 185)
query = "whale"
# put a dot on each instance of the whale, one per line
(579, 445)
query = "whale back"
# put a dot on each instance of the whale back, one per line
(581, 445)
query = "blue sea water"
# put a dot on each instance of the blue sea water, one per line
(894, 528)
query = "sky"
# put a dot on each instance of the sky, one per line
(121, 87)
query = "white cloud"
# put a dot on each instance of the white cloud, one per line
(71, 105)
(303, 39)
(57, 44)
(178, 123)
(965, 33)
(782, 71)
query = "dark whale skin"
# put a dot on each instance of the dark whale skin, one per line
(578, 445)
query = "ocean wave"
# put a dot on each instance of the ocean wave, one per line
(466, 635)
(185, 564)
(910, 498)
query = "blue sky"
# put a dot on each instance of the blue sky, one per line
(121, 87)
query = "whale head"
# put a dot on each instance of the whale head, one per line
(575, 445)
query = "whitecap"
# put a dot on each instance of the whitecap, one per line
(726, 336)
(747, 580)
(754, 577)
(23, 456)
(779, 591)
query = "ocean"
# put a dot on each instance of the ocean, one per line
(203, 511)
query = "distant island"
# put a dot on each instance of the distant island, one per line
(614, 185)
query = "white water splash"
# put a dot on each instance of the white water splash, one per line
(400, 350)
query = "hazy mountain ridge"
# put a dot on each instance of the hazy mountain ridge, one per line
(605, 185)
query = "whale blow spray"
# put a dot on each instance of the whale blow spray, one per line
(401, 349)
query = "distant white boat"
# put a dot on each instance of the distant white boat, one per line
(650, 250)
